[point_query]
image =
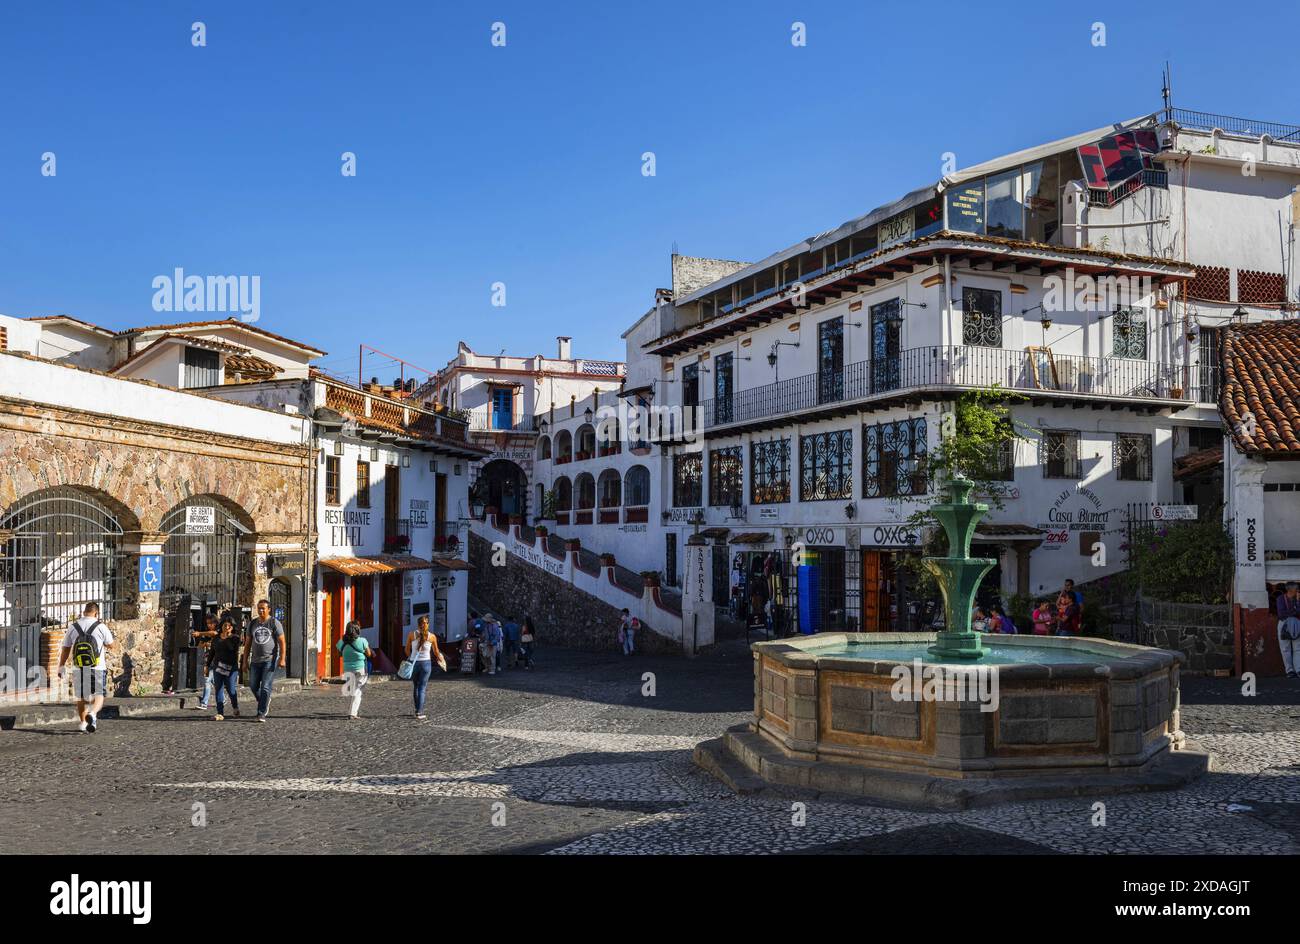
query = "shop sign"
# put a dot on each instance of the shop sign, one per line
(200, 519)
(419, 512)
(895, 230)
(1173, 512)
(286, 565)
(767, 514)
(890, 535)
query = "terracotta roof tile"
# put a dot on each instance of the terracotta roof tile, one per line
(1260, 401)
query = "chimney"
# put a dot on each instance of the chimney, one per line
(564, 354)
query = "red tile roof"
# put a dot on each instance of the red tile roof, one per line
(1260, 401)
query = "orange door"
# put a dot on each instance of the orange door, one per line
(328, 661)
(871, 591)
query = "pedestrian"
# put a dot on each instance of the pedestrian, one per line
(624, 622)
(1288, 629)
(422, 650)
(355, 651)
(735, 589)
(203, 640)
(511, 633)
(1067, 614)
(1074, 594)
(1043, 618)
(979, 621)
(263, 655)
(1001, 622)
(223, 663)
(527, 639)
(492, 636)
(87, 642)
(629, 635)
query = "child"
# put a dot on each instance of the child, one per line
(979, 622)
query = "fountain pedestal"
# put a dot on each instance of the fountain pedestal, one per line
(958, 574)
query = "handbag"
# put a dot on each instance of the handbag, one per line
(407, 668)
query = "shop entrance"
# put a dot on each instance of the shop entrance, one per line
(329, 664)
(281, 598)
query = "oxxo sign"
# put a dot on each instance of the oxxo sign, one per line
(891, 535)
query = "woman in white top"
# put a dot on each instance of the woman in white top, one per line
(422, 648)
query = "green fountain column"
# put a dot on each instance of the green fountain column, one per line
(958, 574)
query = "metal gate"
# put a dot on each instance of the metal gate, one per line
(63, 550)
(201, 553)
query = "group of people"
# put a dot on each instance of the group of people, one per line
(504, 644)
(1061, 617)
(253, 653)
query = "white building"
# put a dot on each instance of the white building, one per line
(1092, 276)
(502, 398)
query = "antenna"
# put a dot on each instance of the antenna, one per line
(1166, 91)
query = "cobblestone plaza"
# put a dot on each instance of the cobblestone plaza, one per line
(573, 758)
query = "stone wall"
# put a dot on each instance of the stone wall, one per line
(565, 616)
(139, 471)
(1203, 634)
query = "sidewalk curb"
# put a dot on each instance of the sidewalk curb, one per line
(64, 712)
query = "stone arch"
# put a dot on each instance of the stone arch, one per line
(636, 486)
(543, 448)
(563, 494)
(609, 489)
(584, 441)
(563, 446)
(584, 489)
(64, 548)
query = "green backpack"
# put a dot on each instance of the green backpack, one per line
(85, 651)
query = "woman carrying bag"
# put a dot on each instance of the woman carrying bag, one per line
(356, 654)
(421, 652)
(223, 662)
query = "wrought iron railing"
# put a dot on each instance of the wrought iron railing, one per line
(1205, 121)
(446, 537)
(488, 421)
(397, 535)
(1205, 384)
(951, 366)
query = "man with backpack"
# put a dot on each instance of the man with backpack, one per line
(86, 642)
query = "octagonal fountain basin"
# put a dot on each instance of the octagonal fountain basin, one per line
(876, 715)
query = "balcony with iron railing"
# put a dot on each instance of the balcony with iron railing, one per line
(951, 367)
(1228, 124)
(487, 421)
(397, 535)
(446, 538)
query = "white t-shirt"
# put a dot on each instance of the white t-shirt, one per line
(421, 653)
(100, 633)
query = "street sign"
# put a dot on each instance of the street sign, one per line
(150, 573)
(1173, 512)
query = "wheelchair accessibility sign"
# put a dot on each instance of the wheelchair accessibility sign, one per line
(150, 573)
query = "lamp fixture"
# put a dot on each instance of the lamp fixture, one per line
(406, 460)
(587, 414)
(338, 447)
(850, 511)
(771, 355)
(374, 454)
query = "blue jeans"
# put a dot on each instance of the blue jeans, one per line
(206, 697)
(226, 683)
(260, 677)
(420, 681)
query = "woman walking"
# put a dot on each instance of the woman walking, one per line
(422, 650)
(223, 662)
(527, 639)
(355, 652)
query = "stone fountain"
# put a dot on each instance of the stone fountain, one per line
(948, 720)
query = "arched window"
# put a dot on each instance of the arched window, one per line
(62, 550)
(543, 447)
(585, 442)
(563, 447)
(636, 486)
(610, 489)
(202, 554)
(585, 486)
(608, 436)
(563, 494)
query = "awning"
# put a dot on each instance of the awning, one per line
(1194, 463)
(450, 563)
(376, 564)
(752, 537)
(714, 533)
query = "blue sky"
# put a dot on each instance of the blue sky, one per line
(522, 164)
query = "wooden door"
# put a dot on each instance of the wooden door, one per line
(328, 661)
(871, 578)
